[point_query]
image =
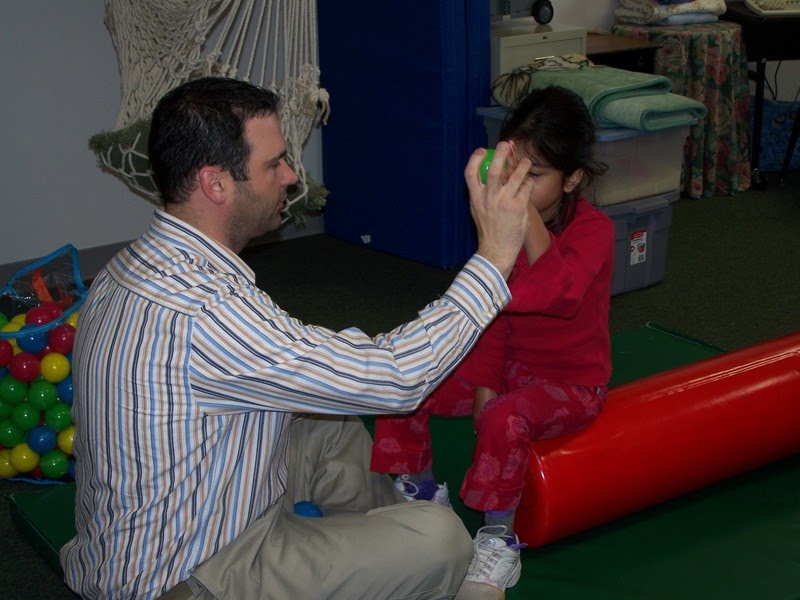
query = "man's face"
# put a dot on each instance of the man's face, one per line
(260, 199)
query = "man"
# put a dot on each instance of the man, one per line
(187, 377)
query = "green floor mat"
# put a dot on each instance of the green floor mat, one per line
(737, 539)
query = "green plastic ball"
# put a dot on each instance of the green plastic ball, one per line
(12, 391)
(26, 415)
(58, 417)
(11, 434)
(42, 394)
(54, 464)
(5, 409)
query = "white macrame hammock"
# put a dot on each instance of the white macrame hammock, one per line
(163, 43)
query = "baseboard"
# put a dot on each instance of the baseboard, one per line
(91, 260)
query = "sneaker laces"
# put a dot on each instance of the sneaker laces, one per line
(410, 490)
(495, 561)
(405, 486)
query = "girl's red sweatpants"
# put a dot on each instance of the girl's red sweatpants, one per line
(532, 408)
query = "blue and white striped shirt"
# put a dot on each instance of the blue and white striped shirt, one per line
(186, 376)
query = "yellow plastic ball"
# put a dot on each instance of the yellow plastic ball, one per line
(11, 327)
(7, 470)
(65, 439)
(23, 459)
(20, 318)
(73, 319)
(54, 367)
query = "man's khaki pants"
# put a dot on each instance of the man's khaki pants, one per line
(370, 543)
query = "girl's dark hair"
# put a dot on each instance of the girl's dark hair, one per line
(201, 123)
(554, 123)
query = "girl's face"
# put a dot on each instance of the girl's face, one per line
(549, 184)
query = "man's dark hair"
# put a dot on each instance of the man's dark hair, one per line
(202, 123)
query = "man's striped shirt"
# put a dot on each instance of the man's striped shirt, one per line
(186, 376)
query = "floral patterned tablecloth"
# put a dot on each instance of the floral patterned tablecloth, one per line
(707, 62)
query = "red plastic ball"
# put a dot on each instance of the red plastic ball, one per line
(45, 351)
(39, 315)
(24, 366)
(54, 308)
(6, 352)
(61, 338)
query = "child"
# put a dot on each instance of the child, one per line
(541, 369)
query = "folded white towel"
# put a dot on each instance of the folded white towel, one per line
(651, 11)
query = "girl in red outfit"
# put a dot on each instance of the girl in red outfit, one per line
(541, 369)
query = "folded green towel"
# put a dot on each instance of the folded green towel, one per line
(651, 113)
(614, 97)
(600, 85)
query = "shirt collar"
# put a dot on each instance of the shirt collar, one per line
(193, 241)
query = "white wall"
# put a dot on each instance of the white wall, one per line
(592, 14)
(61, 85)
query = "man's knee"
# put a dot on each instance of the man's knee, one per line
(445, 533)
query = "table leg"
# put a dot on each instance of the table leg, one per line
(787, 159)
(758, 180)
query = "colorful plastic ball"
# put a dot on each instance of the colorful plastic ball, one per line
(41, 439)
(31, 342)
(64, 389)
(65, 439)
(12, 390)
(6, 352)
(39, 315)
(61, 338)
(26, 416)
(6, 468)
(484, 168)
(5, 409)
(23, 459)
(54, 308)
(18, 319)
(44, 352)
(54, 464)
(72, 468)
(58, 417)
(42, 394)
(54, 367)
(305, 508)
(72, 319)
(11, 434)
(12, 327)
(3, 319)
(24, 367)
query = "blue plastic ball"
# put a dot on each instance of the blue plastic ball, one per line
(307, 509)
(64, 389)
(41, 439)
(31, 342)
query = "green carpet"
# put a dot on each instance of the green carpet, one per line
(749, 522)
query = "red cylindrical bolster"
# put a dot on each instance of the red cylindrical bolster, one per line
(665, 435)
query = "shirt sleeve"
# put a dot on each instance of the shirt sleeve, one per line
(556, 283)
(248, 354)
(484, 366)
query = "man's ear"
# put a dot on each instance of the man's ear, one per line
(571, 182)
(214, 183)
